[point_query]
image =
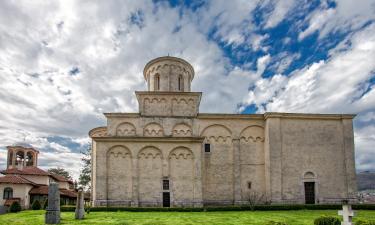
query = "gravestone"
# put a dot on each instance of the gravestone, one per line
(80, 211)
(347, 214)
(53, 208)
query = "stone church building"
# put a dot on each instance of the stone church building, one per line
(168, 154)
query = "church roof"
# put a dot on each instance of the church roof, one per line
(43, 190)
(28, 170)
(60, 178)
(15, 179)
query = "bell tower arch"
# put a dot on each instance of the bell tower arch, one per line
(19, 157)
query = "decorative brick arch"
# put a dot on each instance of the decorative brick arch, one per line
(126, 129)
(153, 130)
(217, 133)
(252, 133)
(182, 130)
(119, 176)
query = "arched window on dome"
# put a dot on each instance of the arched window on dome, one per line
(157, 82)
(180, 83)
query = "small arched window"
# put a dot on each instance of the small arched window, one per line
(10, 158)
(157, 82)
(20, 157)
(29, 159)
(180, 83)
(8, 193)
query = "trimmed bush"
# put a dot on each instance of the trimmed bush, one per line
(276, 223)
(221, 208)
(45, 204)
(36, 205)
(15, 207)
(365, 222)
(327, 220)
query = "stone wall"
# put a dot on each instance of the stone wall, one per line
(309, 150)
(271, 154)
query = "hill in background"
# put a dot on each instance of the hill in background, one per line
(366, 180)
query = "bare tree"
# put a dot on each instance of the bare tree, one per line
(256, 198)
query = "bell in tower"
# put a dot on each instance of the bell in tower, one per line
(20, 157)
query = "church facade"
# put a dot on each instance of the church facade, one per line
(168, 154)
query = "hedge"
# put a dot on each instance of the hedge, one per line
(222, 208)
(15, 207)
(327, 220)
(36, 205)
(365, 222)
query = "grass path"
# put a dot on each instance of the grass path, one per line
(300, 217)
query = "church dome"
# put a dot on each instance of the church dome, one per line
(168, 73)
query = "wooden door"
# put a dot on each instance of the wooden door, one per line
(310, 192)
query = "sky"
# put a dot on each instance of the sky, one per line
(64, 63)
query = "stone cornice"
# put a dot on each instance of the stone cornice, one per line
(174, 93)
(168, 58)
(246, 116)
(229, 116)
(150, 139)
(308, 116)
(122, 115)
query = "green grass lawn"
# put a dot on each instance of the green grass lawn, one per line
(299, 217)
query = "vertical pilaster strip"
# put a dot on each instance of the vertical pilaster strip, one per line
(198, 189)
(236, 172)
(14, 159)
(348, 145)
(273, 158)
(135, 183)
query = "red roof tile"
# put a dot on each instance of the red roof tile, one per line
(43, 190)
(28, 170)
(60, 178)
(9, 201)
(15, 179)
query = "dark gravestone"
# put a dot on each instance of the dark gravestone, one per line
(53, 208)
(80, 210)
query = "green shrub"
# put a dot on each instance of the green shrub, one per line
(327, 220)
(45, 204)
(36, 205)
(276, 223)
(364, 207)
(218, 208)
(15, 207)
(365, 222)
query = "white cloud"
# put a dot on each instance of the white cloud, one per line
(331, 86)
(281, 8)
(108, 43)
(338, 85)
(364, 140)
(345, 16)
(42, 43)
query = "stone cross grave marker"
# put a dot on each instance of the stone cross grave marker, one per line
(80, 211)
(53, 208)
(347, 214)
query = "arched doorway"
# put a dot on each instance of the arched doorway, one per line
(309, 187)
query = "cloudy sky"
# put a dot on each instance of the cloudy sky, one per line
(64, 63)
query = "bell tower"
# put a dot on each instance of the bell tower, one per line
(20, 157)
(169, 89)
